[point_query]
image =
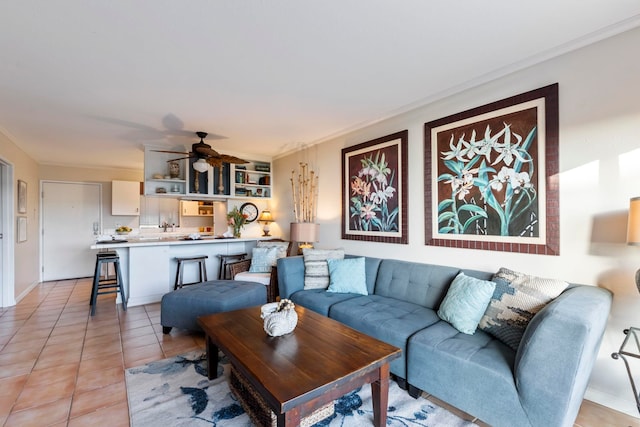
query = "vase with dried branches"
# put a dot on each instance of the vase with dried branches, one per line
(304, 189)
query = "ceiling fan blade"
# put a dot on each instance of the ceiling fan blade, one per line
(181, 158)
(170, 152)
(232, 159)
(208, 151)
(214, 162)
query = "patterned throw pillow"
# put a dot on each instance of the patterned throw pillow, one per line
(517, 298)
(316, 270)
(262, 259)
(282, 246)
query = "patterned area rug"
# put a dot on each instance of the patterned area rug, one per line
(176, 392)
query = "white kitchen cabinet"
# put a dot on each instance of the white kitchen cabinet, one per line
(125, 198)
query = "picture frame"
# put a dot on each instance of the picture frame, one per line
(22, 197)
(22, 229)
(491, 176)
(374, 190)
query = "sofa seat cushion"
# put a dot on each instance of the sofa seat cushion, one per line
(247, 276)
(319, 300)
(387, 319)
(440, 356)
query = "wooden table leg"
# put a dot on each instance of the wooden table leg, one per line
(212, 359)
(289, 419)
(380, 396)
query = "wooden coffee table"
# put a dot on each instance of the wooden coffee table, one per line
(295, 374)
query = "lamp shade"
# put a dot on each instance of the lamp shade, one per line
(304, 232)
(265, 216)
(201, 165)
(633, 226)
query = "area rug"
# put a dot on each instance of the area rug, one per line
(176, 392)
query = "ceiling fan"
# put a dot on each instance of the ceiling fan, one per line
(205, 155)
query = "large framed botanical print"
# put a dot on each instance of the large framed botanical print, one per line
(374, 190)
(491, 176)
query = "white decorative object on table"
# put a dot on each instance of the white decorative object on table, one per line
(279, 318)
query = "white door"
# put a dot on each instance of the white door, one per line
(69, 211)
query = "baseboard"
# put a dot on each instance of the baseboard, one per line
(624, 405)
(26, 291)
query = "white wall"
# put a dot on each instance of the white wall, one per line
(599, 89)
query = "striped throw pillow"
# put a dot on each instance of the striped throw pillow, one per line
(316, 269)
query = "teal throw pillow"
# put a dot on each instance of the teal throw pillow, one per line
(465, 302)
(263, 259)
(347, 276)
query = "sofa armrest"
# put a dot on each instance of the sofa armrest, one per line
(557, 353)
(290, 275)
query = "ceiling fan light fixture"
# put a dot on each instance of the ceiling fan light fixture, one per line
(201, 165)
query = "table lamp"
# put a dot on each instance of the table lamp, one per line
(305, 233)
(633, 229)
(266, 218)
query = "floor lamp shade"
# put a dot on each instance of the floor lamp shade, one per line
(304, 232)
(633, 226)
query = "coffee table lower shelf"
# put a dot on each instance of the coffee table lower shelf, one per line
(259, 413)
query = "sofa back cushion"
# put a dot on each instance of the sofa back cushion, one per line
(419, 283)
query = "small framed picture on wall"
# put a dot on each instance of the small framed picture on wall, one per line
(22, 196)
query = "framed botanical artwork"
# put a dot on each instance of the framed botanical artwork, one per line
(22, 197)
(491, 176)
(374, 190)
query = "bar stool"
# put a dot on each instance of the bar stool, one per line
(108, 285)
(202, 270)
(224, 264)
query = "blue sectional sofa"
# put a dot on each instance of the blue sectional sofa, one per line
(540, 384)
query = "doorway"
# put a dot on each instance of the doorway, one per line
(7, 219)
(69, 210)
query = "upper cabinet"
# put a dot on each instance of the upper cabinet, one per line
(162, 177)
(250, 180)
(125, 198)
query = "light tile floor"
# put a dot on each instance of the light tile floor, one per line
(61, 367)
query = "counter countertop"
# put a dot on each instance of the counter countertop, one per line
(123, 242)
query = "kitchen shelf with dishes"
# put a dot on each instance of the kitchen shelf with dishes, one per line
(161, 176)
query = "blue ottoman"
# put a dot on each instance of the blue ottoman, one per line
(182, 307)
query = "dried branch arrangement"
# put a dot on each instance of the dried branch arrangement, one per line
(305, 194)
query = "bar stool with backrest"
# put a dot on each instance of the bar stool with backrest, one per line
(107, 285)
(202, 270)
(225, 260)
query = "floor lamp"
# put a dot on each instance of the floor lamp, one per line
(630, 347)
(633, 229)
(304, 233)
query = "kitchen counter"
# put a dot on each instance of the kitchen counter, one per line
(126, 242)
(149, 267)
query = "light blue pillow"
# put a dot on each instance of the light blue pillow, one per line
(465, 302)
(347, 276)
(263, 259)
